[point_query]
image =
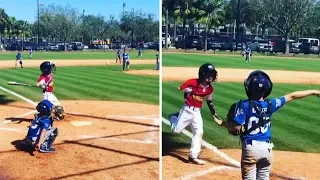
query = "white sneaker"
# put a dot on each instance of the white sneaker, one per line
(196, 161)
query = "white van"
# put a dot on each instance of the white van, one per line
(312, 41)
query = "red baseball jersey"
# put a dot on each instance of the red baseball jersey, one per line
(47, 79)
(196, 92)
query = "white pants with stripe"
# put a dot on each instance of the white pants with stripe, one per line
(190, 115)
(51, 97)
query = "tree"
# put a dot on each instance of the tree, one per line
(3, 22)
(210, 14)
(61, 22)
(284, 14)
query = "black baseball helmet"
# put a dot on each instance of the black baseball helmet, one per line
(207, 73)
(257, 85)
(47, 67)
(45, 108)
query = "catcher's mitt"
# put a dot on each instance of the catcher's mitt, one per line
(59, 112)
(231, 113)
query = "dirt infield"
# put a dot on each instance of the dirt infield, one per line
(66, 62)
(144, 72)
(113, 140)
(286, 166)
(238, 75)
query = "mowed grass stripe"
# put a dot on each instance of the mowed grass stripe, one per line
(294, 126)
(194, 60)
(150, 54)
(70, 83)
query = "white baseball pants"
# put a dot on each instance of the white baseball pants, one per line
(51, 97)
(190, 115)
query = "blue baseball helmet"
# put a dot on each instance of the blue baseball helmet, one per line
(47, 67)
(257, 85)
(45, 107)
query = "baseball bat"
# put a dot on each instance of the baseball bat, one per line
(20, 84)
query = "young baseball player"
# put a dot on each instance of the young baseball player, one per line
(118, 56)
(45, 81)
(157, 59)
(196, 91)
(30, 54)
(125, 60)
(251, 119)
(139, 52)
(248, 53)
(41, 134)
(19, 58)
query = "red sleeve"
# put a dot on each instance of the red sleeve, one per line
(186, 84)
(40, 78)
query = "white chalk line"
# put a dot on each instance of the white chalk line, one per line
(19, 96)
(153, 118)
(208, 171)
(13, 129)
(147, 141)
(223, 155)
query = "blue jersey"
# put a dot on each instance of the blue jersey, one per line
(247, 116)
(37, 125)
(30, 52)
(248, 49)
(125, 56)
(19, 55)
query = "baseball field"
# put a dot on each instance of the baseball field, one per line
(111, 130)
(295, 132)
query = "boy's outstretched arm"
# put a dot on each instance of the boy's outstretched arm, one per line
(41, 138)
(301, 94)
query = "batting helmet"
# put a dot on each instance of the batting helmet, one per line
(45, 107)
(47, 67)
(207, 73)
(257, 85)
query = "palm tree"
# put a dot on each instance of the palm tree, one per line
(3, 22)
(210, 13)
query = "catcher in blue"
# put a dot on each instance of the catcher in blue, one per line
(41, 134)
(118, 56)
(19, 58)
(251, 119)
(125, 60)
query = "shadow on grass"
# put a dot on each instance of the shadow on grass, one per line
(4, 100)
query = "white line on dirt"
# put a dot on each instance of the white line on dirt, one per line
(19, 96)
(225, 156)
(119, 139)
(13, 129)
(208, 171)
(134, 117)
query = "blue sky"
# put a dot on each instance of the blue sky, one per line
(27, 9)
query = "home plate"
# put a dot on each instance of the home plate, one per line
(81, 123)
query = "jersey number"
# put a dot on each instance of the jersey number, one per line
(254, 120)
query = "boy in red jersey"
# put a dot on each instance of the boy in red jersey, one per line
(196, 90)
(45, 81)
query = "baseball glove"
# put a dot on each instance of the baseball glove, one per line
(59, 112)
(231, 113)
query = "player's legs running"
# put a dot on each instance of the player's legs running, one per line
(197, 131)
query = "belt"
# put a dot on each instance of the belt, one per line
(249, 142)
(192, 107)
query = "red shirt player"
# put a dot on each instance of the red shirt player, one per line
(196, 90)
(45, 81)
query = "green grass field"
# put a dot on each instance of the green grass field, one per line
(110, 54)
(293, 128)
(87, 83)
(270, 62)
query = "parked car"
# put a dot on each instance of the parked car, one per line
(261, 45)
(212, 44)
(76, 46)
(311, 41)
